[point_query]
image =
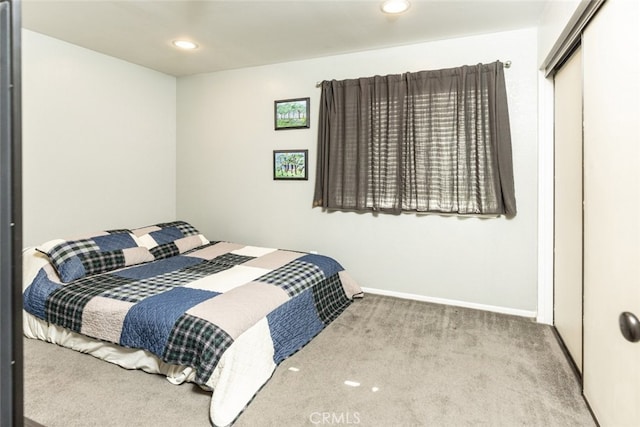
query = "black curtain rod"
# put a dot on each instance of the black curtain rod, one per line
(507, 64)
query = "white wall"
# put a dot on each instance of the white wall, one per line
(98, 144)
(225, 140)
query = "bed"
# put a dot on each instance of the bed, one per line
(165, 299)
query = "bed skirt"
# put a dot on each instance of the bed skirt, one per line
(234, 383)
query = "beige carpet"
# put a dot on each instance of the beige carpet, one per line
(384, 362)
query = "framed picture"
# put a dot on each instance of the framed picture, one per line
(290, 164)
(291, 113)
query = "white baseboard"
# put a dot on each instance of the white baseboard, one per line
(444, 301)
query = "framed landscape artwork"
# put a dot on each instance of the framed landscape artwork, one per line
(290, 164)
(291, 113)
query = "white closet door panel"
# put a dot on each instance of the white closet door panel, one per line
(568, 206)
(611, 57)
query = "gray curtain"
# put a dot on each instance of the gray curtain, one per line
(431, 141)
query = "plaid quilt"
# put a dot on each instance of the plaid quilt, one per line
(189, 309)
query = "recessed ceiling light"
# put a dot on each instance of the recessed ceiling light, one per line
(185, 44)
(395, 6)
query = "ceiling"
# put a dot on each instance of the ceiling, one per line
(239, 33)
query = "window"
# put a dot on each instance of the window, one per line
(431, 141)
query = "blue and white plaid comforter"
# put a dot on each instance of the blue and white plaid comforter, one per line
(189, 309)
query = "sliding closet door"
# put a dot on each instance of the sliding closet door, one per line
(611, 56)
(568, 206)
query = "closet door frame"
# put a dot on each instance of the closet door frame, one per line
(11, 355)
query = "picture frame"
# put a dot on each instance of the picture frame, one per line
(290, 164)
(291, 113)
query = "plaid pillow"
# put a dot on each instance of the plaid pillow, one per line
(169, 239)
(105, 251)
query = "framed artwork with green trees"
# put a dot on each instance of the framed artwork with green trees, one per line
(291, 113)
(290, 164)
